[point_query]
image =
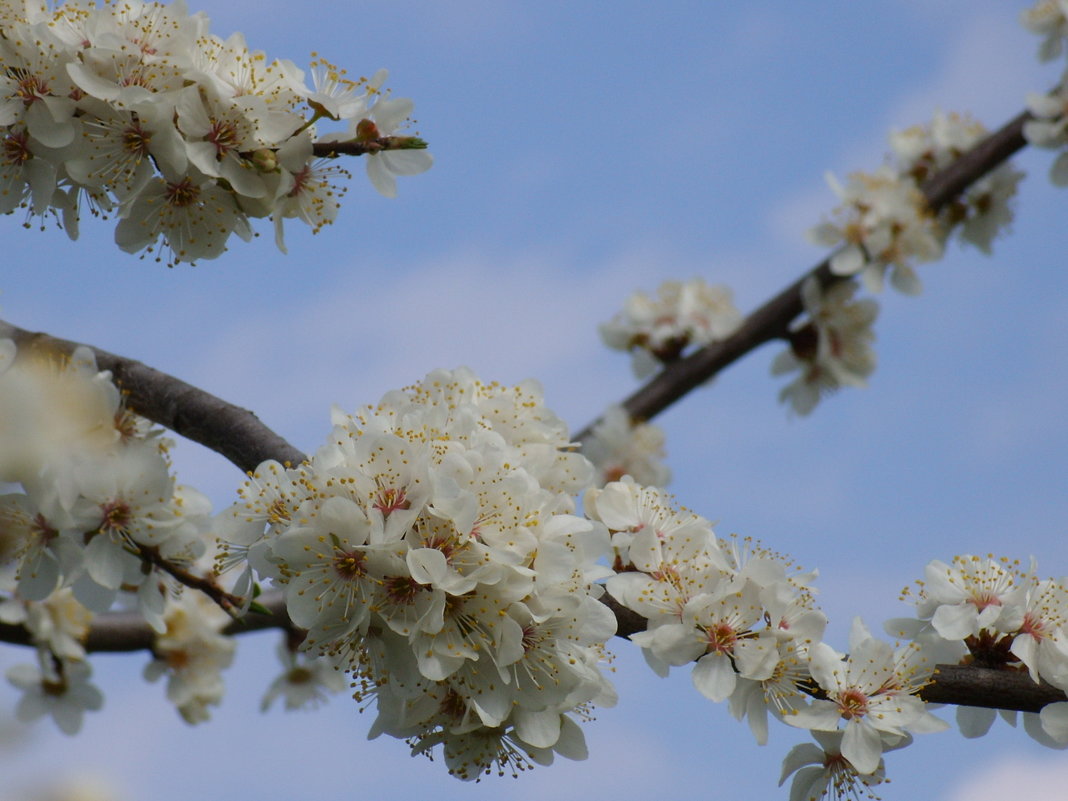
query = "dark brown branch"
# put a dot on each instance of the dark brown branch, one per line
(124, 632)
(773, 319)
(968, 685)
(953, 684)
(234, 432)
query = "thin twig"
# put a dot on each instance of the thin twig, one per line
(228, 602)
(355, 147)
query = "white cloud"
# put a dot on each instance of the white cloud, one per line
(989, 67)
(1036, 779)
(508, 318)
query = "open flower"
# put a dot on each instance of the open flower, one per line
(64, 692)
(823, 769)
(871, 691)
(832, 348)
(386, 118)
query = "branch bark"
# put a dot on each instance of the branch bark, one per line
(236, 433)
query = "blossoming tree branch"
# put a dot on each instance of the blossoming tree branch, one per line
(430, 558)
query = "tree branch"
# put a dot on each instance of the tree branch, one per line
(240, 436)
(773, 319)
(966, 685)
(234, 432)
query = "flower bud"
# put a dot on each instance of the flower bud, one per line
(366, 131)
(265, 159)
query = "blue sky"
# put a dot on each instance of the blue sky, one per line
(581, 154)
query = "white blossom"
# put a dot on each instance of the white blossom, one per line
(61, 690)
(981, 211)
(831, 348)
(871, 691)
(822, 769)
(1049, 19)
(385, 118)
(192, 653)
(137, 105)
(430, 550)
(883, 224)
(683, 314)
(305, 682)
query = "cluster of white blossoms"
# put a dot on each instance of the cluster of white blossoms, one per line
(884, 224)
(1048, 19)
(883, 227)
(135, 107)
(1048, 127)
(430, 558)
(983, 210)
(192, 653)
(97, 520)
(430, 550)
(99, 506)
(657, 331)
(745, 619)
(993, 613)
(881, 224)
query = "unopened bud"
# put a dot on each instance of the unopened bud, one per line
(407, 143)
(366, 131)
(265, 159)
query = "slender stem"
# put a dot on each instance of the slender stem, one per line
(363, 147)
(228, 602)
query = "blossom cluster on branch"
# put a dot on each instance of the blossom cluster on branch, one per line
(99, 522)
(136, 108)
(682, 315)
(431, 554)
(430, 549)
(884, 225)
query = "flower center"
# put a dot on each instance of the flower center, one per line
(401, 590)
(182, 194)
(721, 638)
(350, 565)
(224, 136)
(390, 500)
(30, 87)
(16, 150)
(299, 675)
(117, 516)
(852, 703)
(135, 140)
(1035, 626)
